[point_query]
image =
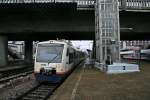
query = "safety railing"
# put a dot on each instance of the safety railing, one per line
(123, 4)
(134, 4)
(79, 2)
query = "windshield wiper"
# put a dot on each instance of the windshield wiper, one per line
(53, 59)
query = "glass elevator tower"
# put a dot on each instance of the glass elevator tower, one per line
(107, 30)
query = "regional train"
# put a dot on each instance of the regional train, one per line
(143, 54)
(54, 59)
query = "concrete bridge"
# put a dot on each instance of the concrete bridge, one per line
(30, 20)
(70, 19)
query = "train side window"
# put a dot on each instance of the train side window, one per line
(70, 57)
(67, 51)
(74, 55)
(71, 53)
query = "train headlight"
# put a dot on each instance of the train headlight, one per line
(41, 70)
(53, 71)
(61, 69)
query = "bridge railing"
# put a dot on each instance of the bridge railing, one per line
(134, 4)
(123, 4)
(79, 2)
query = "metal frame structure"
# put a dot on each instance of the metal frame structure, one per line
(107, 30)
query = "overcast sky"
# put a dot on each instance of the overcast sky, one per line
(83, 45)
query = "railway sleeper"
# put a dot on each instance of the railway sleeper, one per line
(28, 98)
(45, 89)
(42, 91)
(35, 95)
(38, 93)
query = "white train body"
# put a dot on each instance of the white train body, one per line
(54, 59)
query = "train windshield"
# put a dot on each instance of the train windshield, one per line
(50, 53)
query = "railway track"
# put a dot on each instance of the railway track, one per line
(7, 79)
(39, 92)
(14, 71)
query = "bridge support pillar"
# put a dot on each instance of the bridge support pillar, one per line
(28, 56)
(3, 51)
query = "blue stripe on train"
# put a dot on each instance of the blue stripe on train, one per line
(48, 78)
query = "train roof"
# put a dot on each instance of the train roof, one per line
(56, 41)
(61, 42)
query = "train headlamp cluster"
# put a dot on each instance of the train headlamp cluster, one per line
(50, 41)
(48, 71)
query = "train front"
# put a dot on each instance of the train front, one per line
(48, 62)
